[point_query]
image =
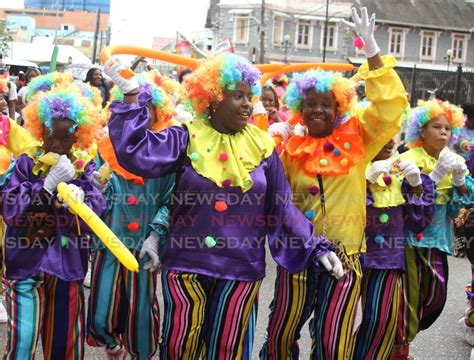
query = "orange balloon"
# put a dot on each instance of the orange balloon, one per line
(269, 69)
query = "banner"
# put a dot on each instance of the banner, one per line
(185, 47)
(224, 46)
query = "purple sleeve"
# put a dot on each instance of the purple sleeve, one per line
(139, 150)
(418, 211)
(290, 234)
(21, 191)
(470, 164)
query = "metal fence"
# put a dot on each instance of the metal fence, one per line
(455, 87)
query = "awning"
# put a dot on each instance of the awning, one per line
(16, 62)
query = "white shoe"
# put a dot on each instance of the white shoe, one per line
(3, 314)
(468, 332)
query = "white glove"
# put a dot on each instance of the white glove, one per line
(76, 193)
(97, 178)
(459, 173)
(150, 248)
(377, 168)
(446, 161)
(63, 171)
(411, 172)
(258, 108)
(332, 264)
(365, 29)
(113, 70)
(282, 129)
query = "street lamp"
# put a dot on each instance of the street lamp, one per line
(286, 44)
(449, 55)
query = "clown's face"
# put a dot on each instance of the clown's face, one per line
(386, 151)
(319, 112)
(232, 113)
(436, 134)
(3, 101)
(61, 139)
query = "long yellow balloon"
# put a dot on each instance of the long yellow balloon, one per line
(99, 228)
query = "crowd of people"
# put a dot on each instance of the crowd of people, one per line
(197, 177)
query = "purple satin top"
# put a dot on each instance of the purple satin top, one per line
(29, 248)
(229, 244)
(386, 240)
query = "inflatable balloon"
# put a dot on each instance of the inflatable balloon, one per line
(102, 231)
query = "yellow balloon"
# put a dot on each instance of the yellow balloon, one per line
(99, 228)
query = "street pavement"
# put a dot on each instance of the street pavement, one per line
(442, 341)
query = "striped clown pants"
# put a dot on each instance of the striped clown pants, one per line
(123, 307)
(205, 317)
(48, 307)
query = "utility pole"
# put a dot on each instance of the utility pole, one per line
(262, 33)
(96, 33)
(325, 38)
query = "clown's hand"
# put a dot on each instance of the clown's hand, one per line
(446, 161)
(364, 27)
(63, 171)
(459, 173)
(150, 247)
(411, 172)
(114, 70)
(332, 264)
(76, 193)
(282, 129)
(376, 169)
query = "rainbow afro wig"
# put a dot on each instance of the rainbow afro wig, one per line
(207, 83)
(321, 81)
(47, 82)
(163, 104)
(68, 102)
(3, 84)
(427, 111)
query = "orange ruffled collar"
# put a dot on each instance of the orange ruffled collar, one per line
(333, 155)
(107, 152)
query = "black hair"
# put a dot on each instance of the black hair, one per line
(275, 96)
(468, 109)
(90, 73)
(183, 73)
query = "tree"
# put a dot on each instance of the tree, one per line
(5, 38)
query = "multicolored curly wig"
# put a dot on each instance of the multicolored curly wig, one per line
(427, 111)
(62, 102)
(280, 80)
(3, 85)
(47, 82)
(162, 102)
(171, 86)
(205, 85)
(321, 81)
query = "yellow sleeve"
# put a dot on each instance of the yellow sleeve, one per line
(382, 119)
(19, 139)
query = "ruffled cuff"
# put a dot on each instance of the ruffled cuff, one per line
(389, 63)
(324, 246)
(464, 200)
(428, 196)
(119, 107)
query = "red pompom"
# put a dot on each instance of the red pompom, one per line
(358, 42)
(133, 226)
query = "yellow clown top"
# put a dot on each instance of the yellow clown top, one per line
(345, 192)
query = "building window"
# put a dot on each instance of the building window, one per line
(304, 34)
(428, 45)
(397, 42)
(241, 28)
(278, 28)
(331, 42)
(459, 47)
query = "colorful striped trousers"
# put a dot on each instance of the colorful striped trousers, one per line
(375, 336)
(123, 307)
(46, 306)
(334, 304)
(205, 317)
(424, 291)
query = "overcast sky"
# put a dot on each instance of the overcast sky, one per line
(137, 24)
